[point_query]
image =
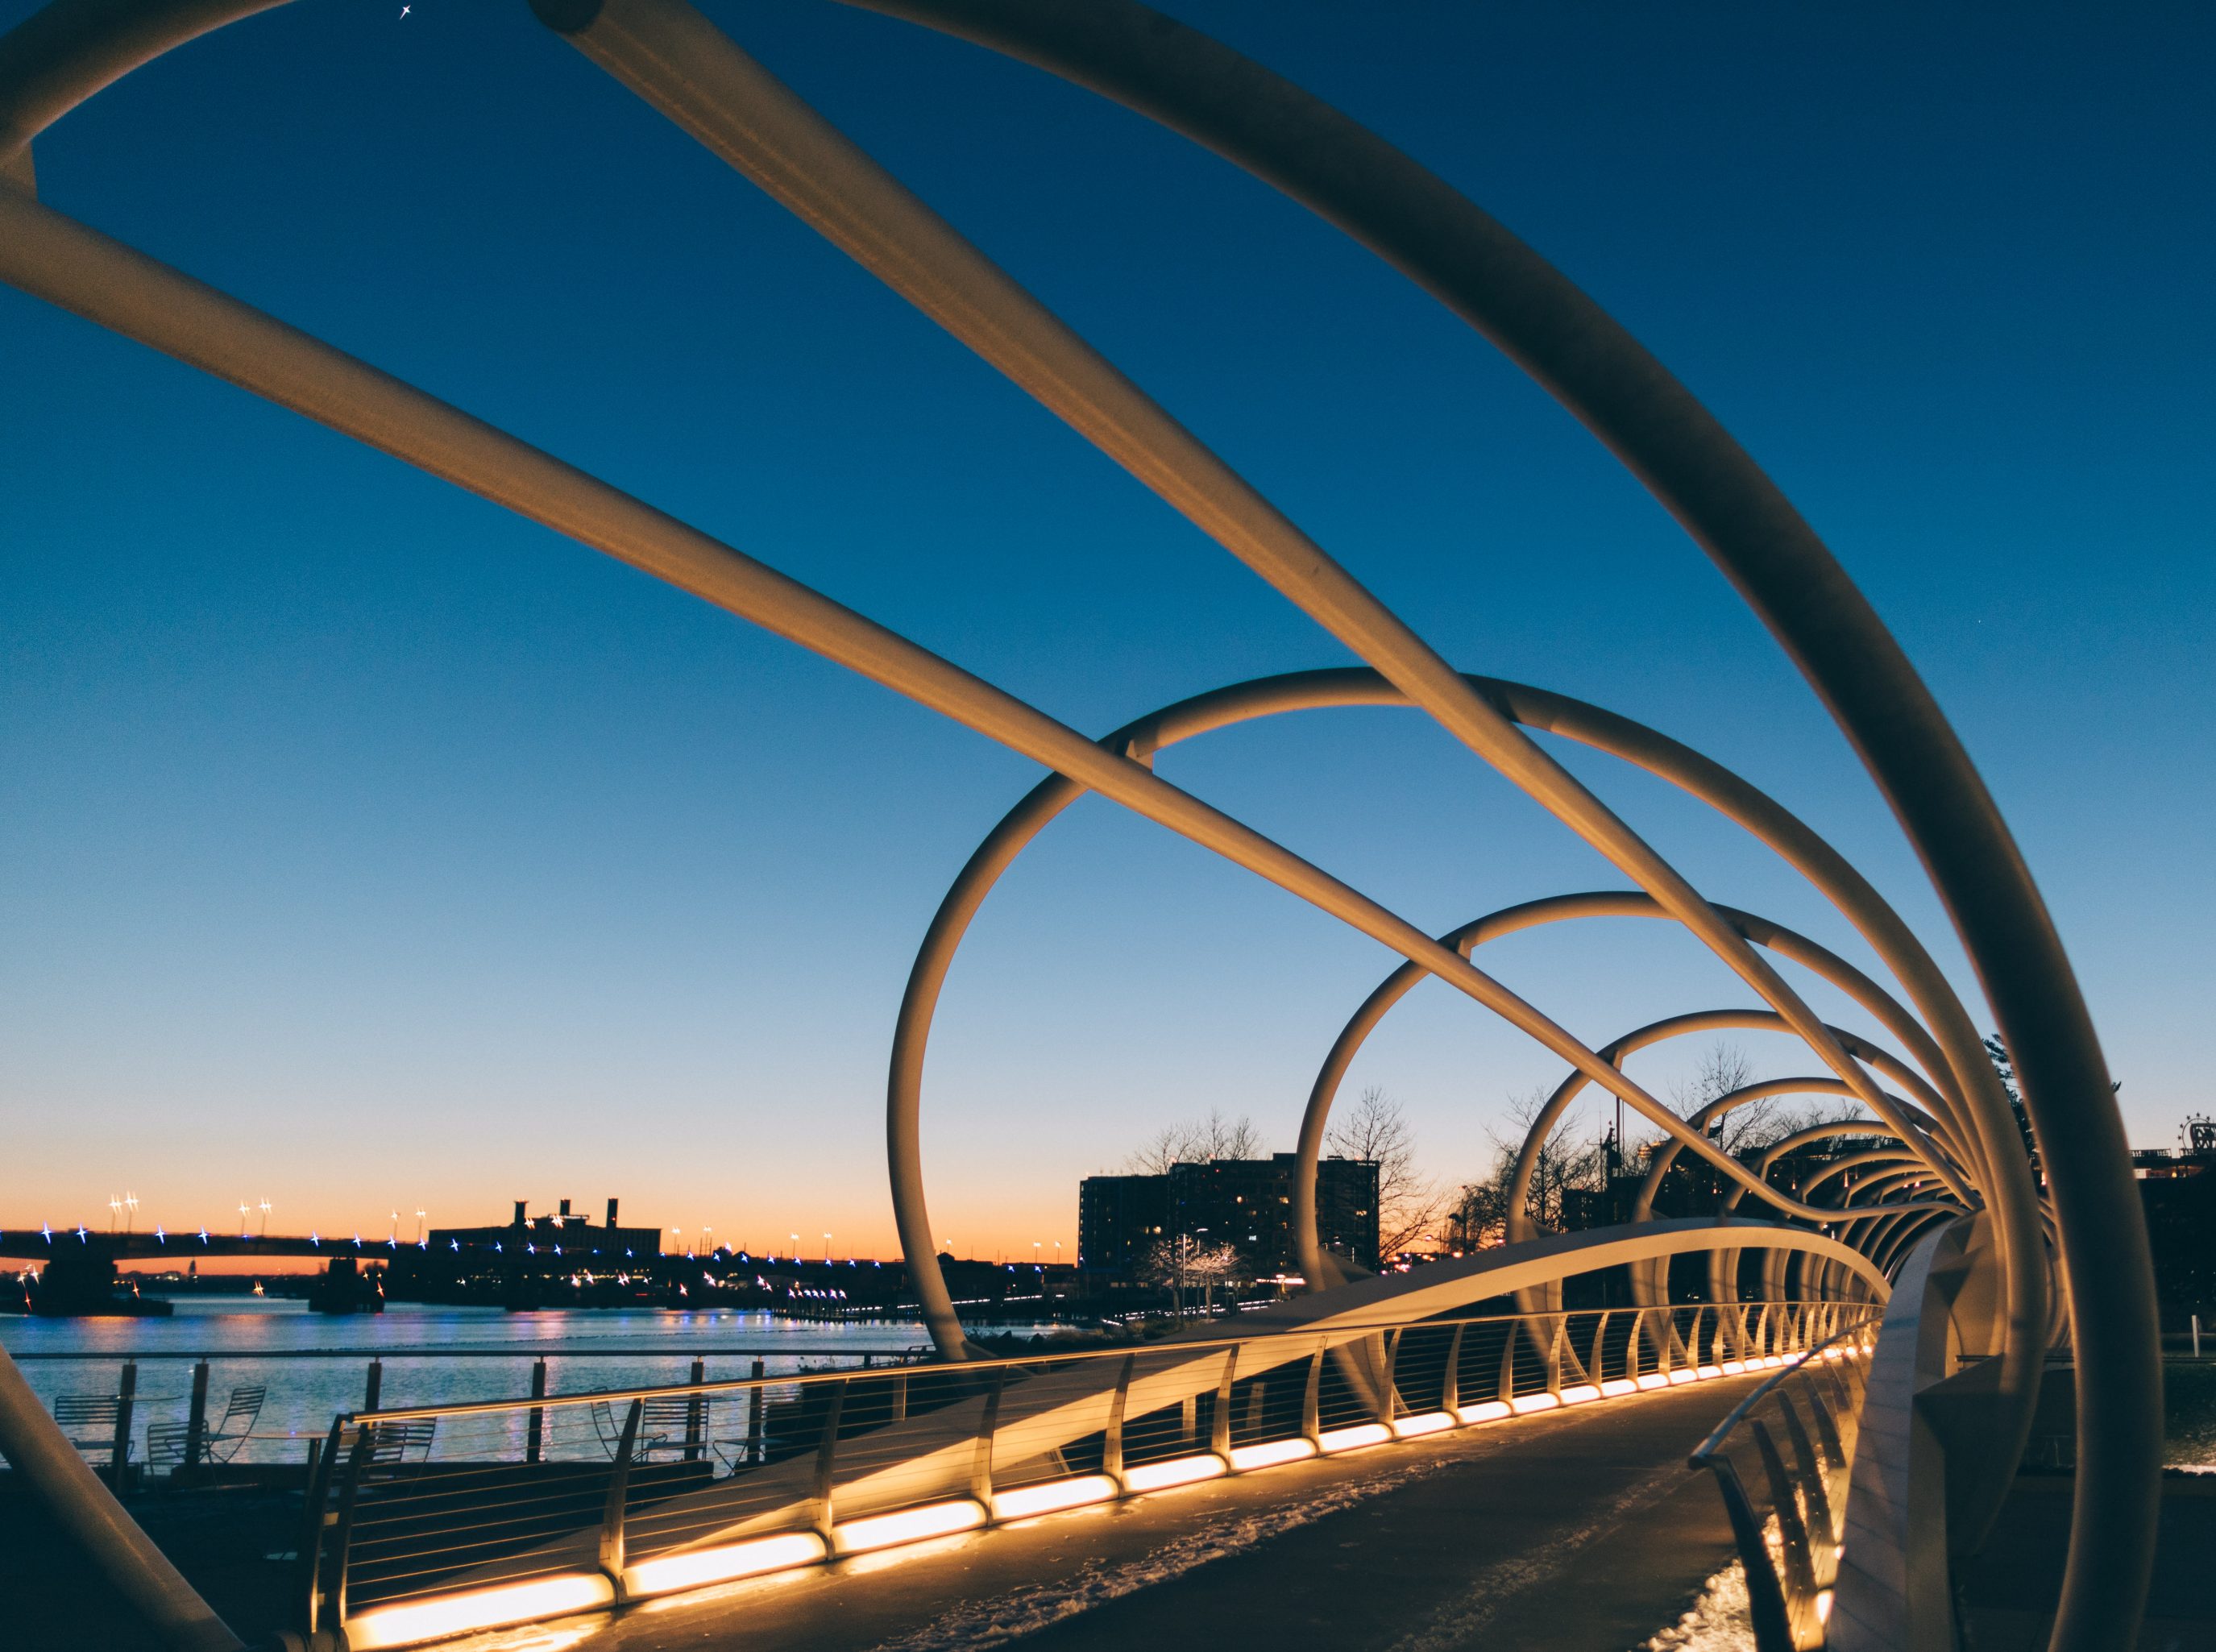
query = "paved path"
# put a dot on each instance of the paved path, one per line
(1566, 1531)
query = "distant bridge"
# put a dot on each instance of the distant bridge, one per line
(184, 1245)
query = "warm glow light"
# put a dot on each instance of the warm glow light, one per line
(1579, 1393)
(1652, 1379)
(1177, 1471)
(1525, 1402)
(1704, 1373)
(693, 1567)
(1616, 1385)
(1428, 1422)
(1682, 1374)
(906, 1526)
(1269, 1453)
(1351, 1439)
(1486, 1411)
(1054, 1494)
(1732, 1367)
(457, 1614)
(1823, 1605)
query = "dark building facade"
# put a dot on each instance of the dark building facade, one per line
(1245, 1203)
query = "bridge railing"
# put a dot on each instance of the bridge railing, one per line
(1782, 1460)
(435, 1520)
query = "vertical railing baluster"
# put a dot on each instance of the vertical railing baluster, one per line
(118, 1443)
(316, 1518)
(372, 1387)
(1593, 1371)
(1112, 1444)
(534, 1427)
(196, 1418)
(1311, 1398)
(1793, 1533)
(827, 1452)
(612, 1510)
(694, 1408)
(757, 1431)
(1823, 1533)
(1219, 1419)
(1450, 1384)
(1765, 1596)
(1388, 1396)
(342, 1535)
(989, 1423)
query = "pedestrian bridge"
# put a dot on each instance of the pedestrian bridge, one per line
(1913, 1288)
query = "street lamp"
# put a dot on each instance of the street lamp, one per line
(826, 1250)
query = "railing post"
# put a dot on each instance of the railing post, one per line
(1824, 1534)
(1311, 1398)
(373, 1389)
(757, 1440)
(899, 1398)
(1219, 1420)
(316, 1517)
(1765, 1597)
(1516, 1333)
(118, 1443)
(1791, 1531)
(1450, 1385)
(534, 1427)
(1638, 1331)
(827, 1453)
(196, 1418)
(1112, 1444)
(611, 1512)
(1827, 1431)
(1554, 1341)
(342, 1537)
(1594, 1374)
(694, 1409)
(989, 1423)
(1388, 1396)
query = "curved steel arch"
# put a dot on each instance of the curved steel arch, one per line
(1144, 737)
(1327, 161)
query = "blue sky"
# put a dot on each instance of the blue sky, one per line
(364, 847)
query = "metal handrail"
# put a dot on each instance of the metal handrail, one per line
(1335, 1332)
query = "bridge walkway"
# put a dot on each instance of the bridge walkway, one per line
(1568, 1530)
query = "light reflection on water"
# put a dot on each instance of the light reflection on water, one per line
(238, 1335)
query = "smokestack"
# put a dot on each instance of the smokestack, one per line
(565, 1208)
(519, 1212)
(612, 1212)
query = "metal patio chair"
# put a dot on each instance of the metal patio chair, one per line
(89, 1421)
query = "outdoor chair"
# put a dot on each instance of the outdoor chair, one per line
(89, 1421)
(662, 1422)
(391, 1443)
(166, 1442)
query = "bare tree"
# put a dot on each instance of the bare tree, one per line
(1562, 1163)
(1199, 1142)
(1409, 1203)
(1178, 1260)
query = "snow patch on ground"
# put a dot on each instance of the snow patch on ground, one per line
(1718, 1621)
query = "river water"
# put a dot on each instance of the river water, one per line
(315, 1366)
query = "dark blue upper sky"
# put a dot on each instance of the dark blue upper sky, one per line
(362, 846)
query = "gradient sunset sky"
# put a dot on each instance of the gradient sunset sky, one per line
(364, 847)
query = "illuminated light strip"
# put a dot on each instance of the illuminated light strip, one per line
(441, 1615)
(1053, 1494)
(1486, 1411)
(694, 1567)
(1682, 1374)
(1176, 1471)
(1426, 1422)
(1579, 1393)
(1651, 1380)
(1270, 1452)
(1732, 1367)
(1706, 1373)
(906, 1526)
(1523, 1404)
(1354, 1439)
(1616, 1385)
